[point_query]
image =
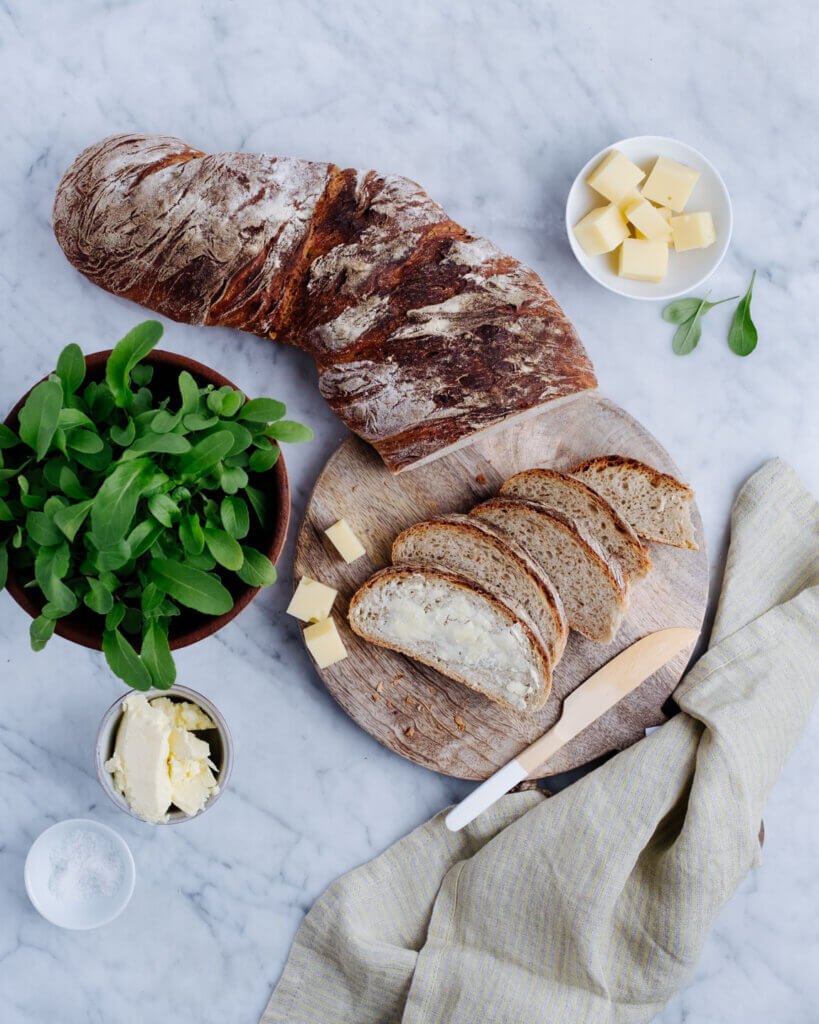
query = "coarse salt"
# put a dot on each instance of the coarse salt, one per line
(84, 866)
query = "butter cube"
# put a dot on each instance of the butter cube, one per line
(643, 260)
(629, 197)
(345, 541)
(693, 231)
(648, 220)
(670, 184)
(601, 230)
(324, 643)
(614, 176)
(312, 601)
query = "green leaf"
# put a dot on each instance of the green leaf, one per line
(70, 418)
(189, 393)
(71, 368)
(232, 479)
(85, 441)
(115, 616)
(264, 459)
(206, 453)
(97, 462)
(226, 401)
(136, 344)
(157, 657)
(172, 444)
(262, 410)
(143, 536)
(225, 549)
(680, 310)
(39, 416)
(59, 595)
(54, 504)
(191, 587)
(123, 436)
(258, 502)
(69, 483)
(164, 509)
(257, 570)
(289, 431)
(99, 598)
(6, 513)
(151, 600)
(71, 518)
(114, 557)
(743, 335)
(235, 516)
(8, 439)
(40, 632)
(142, 375)
(42, 530)
(165, 421)
(242, 438)
(204, 561)
(116, 501)
(198, 421)
(124, 661)
(191, 534)
(689, 333)
(4, 564)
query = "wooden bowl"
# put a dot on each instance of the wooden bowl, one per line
(84, 626)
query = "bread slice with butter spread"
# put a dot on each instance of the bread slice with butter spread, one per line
(458, 627)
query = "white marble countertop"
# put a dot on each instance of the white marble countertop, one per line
(493, 110)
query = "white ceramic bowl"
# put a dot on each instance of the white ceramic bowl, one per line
(686, 270)
(220, 740)
(72, 909)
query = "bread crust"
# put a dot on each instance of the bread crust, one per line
(511, 614)
(423, 333)
(613, 461)
(511, 551)
(639, 550)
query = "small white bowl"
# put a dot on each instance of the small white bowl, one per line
(686, 270)
(80, 912)
(219, 738)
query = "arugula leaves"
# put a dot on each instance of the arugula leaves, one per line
(743, 334)
(688, 313)
(132, 505)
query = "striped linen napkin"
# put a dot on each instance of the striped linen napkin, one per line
(592, 905)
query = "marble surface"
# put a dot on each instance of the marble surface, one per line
(493, 109)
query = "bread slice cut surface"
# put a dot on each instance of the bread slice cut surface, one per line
(454, 625)
(591, 588)
(476, 549)
(657, 506)
(578, 502)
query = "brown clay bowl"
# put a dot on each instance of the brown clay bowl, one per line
(84, 626)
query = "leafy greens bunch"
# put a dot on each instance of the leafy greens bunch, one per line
(131, 507)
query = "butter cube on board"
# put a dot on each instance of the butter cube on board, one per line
(693, 231)
(345, 541)
(312, 600)
(601, 230)
(614, 176)
(643, 260)
(670, 184)
(648, 220)
(324, 643)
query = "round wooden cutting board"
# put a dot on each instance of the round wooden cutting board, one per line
(416, 711)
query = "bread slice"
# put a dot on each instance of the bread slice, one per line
(656, 505)
(478, 551)
(579, 503)
(455, 625)
(591, 587)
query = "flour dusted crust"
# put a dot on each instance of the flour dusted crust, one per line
(423, 333)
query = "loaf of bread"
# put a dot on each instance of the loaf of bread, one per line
(591, 586)
(423, 333)
(578, 502)
(477, 550)
(454, 625)
(657, 506)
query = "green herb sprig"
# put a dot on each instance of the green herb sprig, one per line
(132, 507)
(688, 314)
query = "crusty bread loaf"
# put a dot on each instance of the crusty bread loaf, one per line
(591, 587)
(578, 502)
(423, 333)
(475, 549)
(453, 624)
(656, 505)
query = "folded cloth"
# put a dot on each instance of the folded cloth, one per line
(592, 905)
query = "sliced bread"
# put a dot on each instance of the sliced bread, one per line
(455, 625)
(656, 505)
(579, 503)
(591, 587)
(477, 550)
